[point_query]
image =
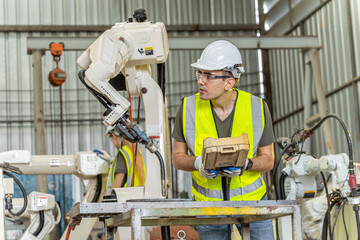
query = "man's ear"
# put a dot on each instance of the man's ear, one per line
(230, 83)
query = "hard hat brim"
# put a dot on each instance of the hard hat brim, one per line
(200, 66)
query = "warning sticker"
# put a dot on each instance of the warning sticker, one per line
(146, 51)
(42, 201)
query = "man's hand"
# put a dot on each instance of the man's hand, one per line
(232, 171)
(104, 155)
(235, 171)
(209, 174)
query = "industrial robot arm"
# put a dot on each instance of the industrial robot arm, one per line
(125, 48)
(301, 169)
(40, 211)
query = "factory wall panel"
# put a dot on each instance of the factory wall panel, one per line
(286, 76)
(331, 25)
(355, 22)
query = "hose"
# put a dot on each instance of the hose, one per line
(23, 192)
(327, 223)
(282, 187)
(98, 188)
(41, 224)
(165, 233)
(277, 165)
(162, 169)
(346, 130)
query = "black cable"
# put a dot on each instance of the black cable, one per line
(343, 217)
(282, 187)
(326, 189)
(337, 215)
(326, 223)
(162, 169)
(296, 132)
(23, 192)
(301, 151)
(98, 188)
(165, 233)
(277, 228)
(277, 165)
(346, 130)
(41, 224)
(275, 185)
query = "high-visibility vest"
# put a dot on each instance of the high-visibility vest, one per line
(128, 156)
(199, 123)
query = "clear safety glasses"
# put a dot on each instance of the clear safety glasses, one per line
(208, 76)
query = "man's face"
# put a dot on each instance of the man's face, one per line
(116, 140)
(210, 87)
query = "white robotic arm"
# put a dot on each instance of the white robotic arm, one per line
(40, 210)
(125, 47)
(302, 169)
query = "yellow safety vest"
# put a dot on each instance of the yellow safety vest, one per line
(128, 156)
(199, 123)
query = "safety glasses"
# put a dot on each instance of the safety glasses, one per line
(208, 76)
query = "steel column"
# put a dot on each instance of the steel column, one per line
(320, 94)
(245, 230)
(41, 181)
(2, 207)
(307, 99)
(136, 224)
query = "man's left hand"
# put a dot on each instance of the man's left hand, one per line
(232, 171)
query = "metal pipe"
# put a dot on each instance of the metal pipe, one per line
(41, 181)
(307, 99)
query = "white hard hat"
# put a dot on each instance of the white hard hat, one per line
(221, 55)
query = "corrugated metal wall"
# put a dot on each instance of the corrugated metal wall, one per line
(338, 67)
(83, 128)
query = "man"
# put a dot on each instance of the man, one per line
(121, 171)
(219, 110)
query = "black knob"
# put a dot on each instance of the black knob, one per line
(140, 15)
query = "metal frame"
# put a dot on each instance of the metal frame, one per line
(179, 212)
(290, 16)
(102, 28)
(185, 43)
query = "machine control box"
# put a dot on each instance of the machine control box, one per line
(225, 152)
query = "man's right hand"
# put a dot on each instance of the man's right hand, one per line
(209, 174)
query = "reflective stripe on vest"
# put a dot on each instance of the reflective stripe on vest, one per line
(198, 124)
(127, 154)
(218, 194)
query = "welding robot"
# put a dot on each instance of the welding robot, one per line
(298, 182)
(41, 208)
(125, 52)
